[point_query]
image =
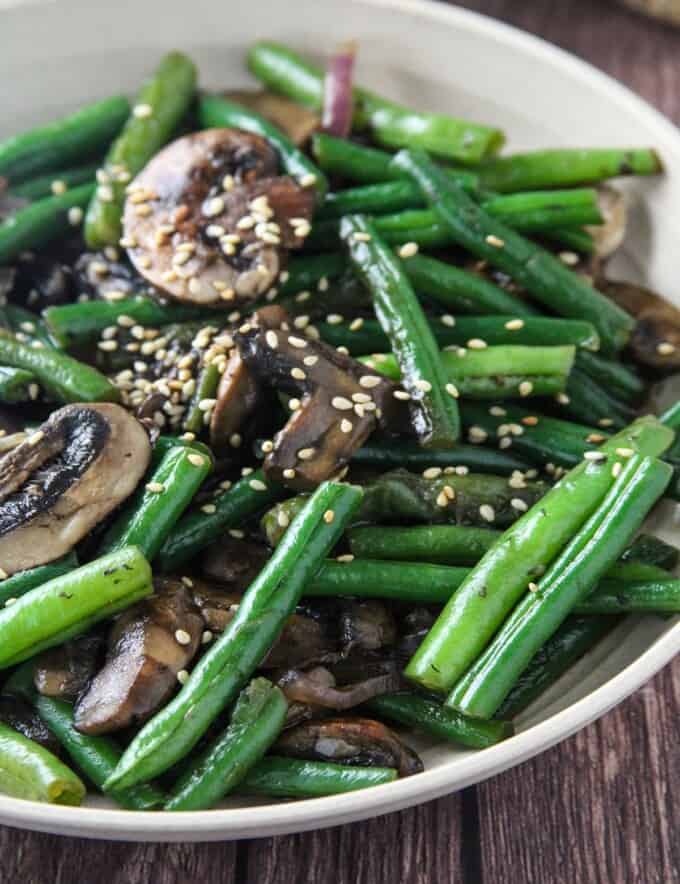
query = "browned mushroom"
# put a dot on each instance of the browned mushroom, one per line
(655, 341)
(208, 219)
(15, 712)
(608, 236)
(234, 561)
(366, 625)
(148, 646)
(298, 122)
(337, 401)
(64, 479)
(66, 671)
(318, 687)
(359, 741)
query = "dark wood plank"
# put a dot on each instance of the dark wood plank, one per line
(417, 846)
(600, 807)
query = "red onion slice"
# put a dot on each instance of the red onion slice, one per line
(337, 92)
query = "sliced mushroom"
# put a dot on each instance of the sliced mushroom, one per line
(298, 122)
(235, 562)
(208, 220)
(609, 235)
(239, 397)
(148, 645)
(15, 712)
(318, 687)
(357, 741)
(66, 671)
(366, 626)
(412, 630)
(64, 479)
(655, 341)
(339, 401)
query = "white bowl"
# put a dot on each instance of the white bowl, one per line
(59, 55)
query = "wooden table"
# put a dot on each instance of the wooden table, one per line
(601, 807)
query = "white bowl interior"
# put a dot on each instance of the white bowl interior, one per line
(58, 56)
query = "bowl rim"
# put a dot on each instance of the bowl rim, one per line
(288, 817)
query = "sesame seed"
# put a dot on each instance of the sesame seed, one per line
(449, 492)
(214, 206)
(105, 193)
(9, 601)
(476, 344)
(530, 420)
(272, 339)
(442, 499)
(422, 385)
(298, 374)
(595, 456)
(518, 504)
(196, 459)
(517, 481)
(346, 426)
(665, 348)
(525, 388)
(328, 516)
(206, 637)
(625, 452)
(356, 324)
(495, 241)
(310, 360)
(477, 434)
(306, 453)
(155, 487)
(182, 637)
(487, 512)
(497, 411)
(347, 557)
(297, 342)
(514, 324)
(362, 398)
(532, 587)
(257, 485)
(74, 215)
(282, 519)
(368, 381)
(143, 210)
(235, 440)
(294, 404)
(569, 258)
(182, 676)
(401, 394)
(408, 250)
(341, 403)
(308, 180)
(334, 319)
(562, 399)
(432, 472)
(447, 319)
(208, 509)
(237, 533)
(452, 390)
(605, 422)
(289, 474)
(616, 469)
(141, 111)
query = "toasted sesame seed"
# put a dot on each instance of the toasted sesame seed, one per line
(346, 426)
(206, 637)
(442, 499)
(356, 324)
(341, 403)
(362, 398)
(401, 394)
(625, 452)
(298, 374)
(476, 344)
(182, 637)
(530, 420)
(532, 587)
(495, 241)
(235, 440)
(514, 324)
(452, 390)
(74, 215)
(182, 676)
(196, 459)
(289, 473)
(562, 399)
(517, 481)
(237, 533)
(487, 512)
(447, 319)
(449, 492)
(306, 453)
(257, 485)
(155, 487)
(282, 519)
(346, 557)
(142, 110)
(294, 404)
(432, 473)
(408, 250)
(616, 469)
(143, 210)
(334, 319)
(272, 339)
(105, 193)
(368, 381)
(33, 391)
(497, 411)
(518, 504)
(477, 434)
(308, 180)
(569, 258)
(525, 388)
(328, 516)
(595, 456)
(665, 348)
(422, 385)
(214, 206)
(294, 341)
(310, 360)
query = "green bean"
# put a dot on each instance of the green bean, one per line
(536, 331)
(386, 455)
(198, 528)
(55, 182)
(671, 417)
(40, 222)
(95, 756)
(23, 581)
(17, 385)
(206, 388)
(544, 277)
(64, 378)
(164, 444)
(566, 167)
(168, 94)
(653, 551)
(27, 770)
(25, 325)
(433, 403)
(231, 659)
(573, 238)
(429, 716)
(357, 162)
(496, 584)
(575, 637)
(588, 401)
(381, 198)
(75, 325)
(616, 377)
(70, 139)
(439, 544)
(417, 582)
(216, 111)
(255, 723)
(622, 597)
(282, 70)
(307, 271)
(293, 778)
(69, 604)
(461, 291)
(155, 509)
(568, 580)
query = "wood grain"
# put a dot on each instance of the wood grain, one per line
(598, 809)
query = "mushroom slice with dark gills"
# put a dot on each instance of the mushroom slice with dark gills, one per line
(66, 671)
(318, 687)
(357, 741)
(234, 562)
(148, 645)
(338, 401)
(64, 479)
(208, 220)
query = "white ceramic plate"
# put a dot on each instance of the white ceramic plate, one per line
(54, 56)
